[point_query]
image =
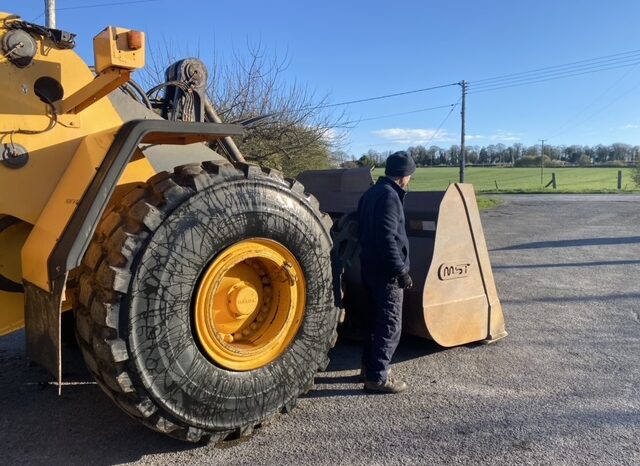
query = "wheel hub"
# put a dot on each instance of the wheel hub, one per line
(249, 304)
(242, 299)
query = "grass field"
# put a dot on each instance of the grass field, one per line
(524, 180)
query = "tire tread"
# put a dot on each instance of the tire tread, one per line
(105, 274)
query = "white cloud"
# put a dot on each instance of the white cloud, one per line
(630, 126)
(501, 135)
(414, 135)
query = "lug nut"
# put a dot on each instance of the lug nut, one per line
(246, 332)
(254, 326)
(228, 338)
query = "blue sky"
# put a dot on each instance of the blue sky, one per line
(352, 50)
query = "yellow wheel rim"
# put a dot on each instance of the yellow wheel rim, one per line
(249, 304)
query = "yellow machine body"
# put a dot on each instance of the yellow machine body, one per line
(64, 151)
(13, 235)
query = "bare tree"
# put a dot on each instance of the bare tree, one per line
(299, 131)
(288, 126)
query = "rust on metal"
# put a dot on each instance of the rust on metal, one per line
(454, 300)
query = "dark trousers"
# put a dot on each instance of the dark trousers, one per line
(384, 327)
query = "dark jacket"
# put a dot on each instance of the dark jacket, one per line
(381, 230)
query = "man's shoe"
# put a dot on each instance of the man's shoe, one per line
(390, 386)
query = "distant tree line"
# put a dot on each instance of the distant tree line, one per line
(515, 155)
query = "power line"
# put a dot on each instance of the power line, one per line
(567, 124)
(556, 67)
(549, 73)
(443, 121)
(558, 75)
(433, 135)
(97, 5)
(400, 114)
(517, 83)
(576, 68)
(387, 96)
(624, 94)
(619, 63)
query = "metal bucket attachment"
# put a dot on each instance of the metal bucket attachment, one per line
(454, 299)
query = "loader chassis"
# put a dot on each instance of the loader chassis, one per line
(201, 289)
(205, 290)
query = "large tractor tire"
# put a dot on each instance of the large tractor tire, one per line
(205, 302)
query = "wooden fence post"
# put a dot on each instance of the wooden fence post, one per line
(619, 180)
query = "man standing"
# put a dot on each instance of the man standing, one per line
(384, 260)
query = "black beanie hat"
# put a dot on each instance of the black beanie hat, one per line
(399, 164)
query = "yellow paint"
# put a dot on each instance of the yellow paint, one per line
(138, 170)
(12, 304)
(63, 155)
(250, 304)
(11, 312)
(61, 206)
(50, 151)
(111, 49)
(11, 240)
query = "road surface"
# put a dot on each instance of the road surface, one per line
(562, 388)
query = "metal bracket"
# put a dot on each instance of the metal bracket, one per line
(103, 84)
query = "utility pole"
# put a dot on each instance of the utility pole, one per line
(463, 84)
(542, 162)
(50, 13)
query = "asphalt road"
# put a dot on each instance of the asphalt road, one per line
(562, 388)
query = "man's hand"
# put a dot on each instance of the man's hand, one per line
(404, 281)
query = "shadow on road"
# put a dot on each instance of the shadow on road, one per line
(38, 426)
(569, 243)
(575, 299)
(342, 376)
(571, 264)
(82, 426)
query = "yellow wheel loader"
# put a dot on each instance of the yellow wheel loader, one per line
(203, 289)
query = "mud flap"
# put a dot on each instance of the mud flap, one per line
(43, 326)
